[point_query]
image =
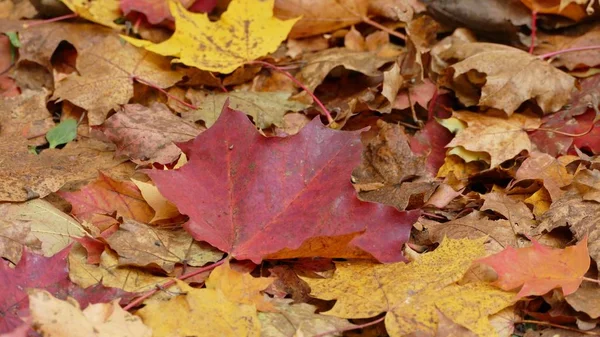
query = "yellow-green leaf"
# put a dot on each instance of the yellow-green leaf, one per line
(246, 31)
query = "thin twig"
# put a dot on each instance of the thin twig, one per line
(570, 50)
(58, 18)
(592, 333)
(533, 31)
(376, 24)
(171, 282)
(288, 75)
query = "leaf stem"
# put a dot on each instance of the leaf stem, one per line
(351, 328)
(58, 18)
(171, 282)
(570, 50)
(590, 280)
(376, 24)
(288, 75)
(557, 326)
(533, 31)
(150, 84)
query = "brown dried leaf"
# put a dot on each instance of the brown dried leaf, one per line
(502, 77)
(104, 77)
(502, 138)
(26, 176)
(148, 134)
(144, 245)
(320, 16)
(545, 167)
(576, 59)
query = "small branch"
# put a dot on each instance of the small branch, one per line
(564, 51)
(288, 75)
(58, 18)
(356, 327)
(150, 84)
(171, 282)
(565, 133)
(376, 24)
(533, 31)
(592, 333)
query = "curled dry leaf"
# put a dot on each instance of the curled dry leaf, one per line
(502, 138)
(502, 77)
(319, 64)
(320, 16)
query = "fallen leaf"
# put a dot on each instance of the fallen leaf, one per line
(495, 19)
(272, 183)
(106, 196)
(298, 320)
(148, 134)
(104, 12)
(516, 212)
(14, 236)
(241, 287)
(510, 77)
(207, 312)
(163, 208)
(568, 8)
(51, 274)
(53, 228)
(27, 111)
(319, 64)
(64, 132)
(499, 233)
(156, 11)
(545, 167)
(539, 269)
(411, 294)
(390, 173)
(109, 273)
(586, 299)
(51, 316)
(502, 138)
(266, 108)
(105, 73)
(317, 17)
(575, 59)
(246, 31)
(38, 175)
(143, 245)
(578, 215)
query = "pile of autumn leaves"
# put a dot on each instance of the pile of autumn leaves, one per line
(260, 200)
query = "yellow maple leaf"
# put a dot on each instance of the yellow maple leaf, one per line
(240, 287)
(246, 31)
(104, 12)
(199, 312)
(412, 293)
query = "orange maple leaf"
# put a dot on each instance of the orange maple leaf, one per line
(540, 269)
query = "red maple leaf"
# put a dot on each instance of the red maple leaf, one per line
(157, 11)
(539, 269)
(252, 196)
(49, 273)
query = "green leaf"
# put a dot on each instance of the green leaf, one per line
(63, 133)
(14, 39)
